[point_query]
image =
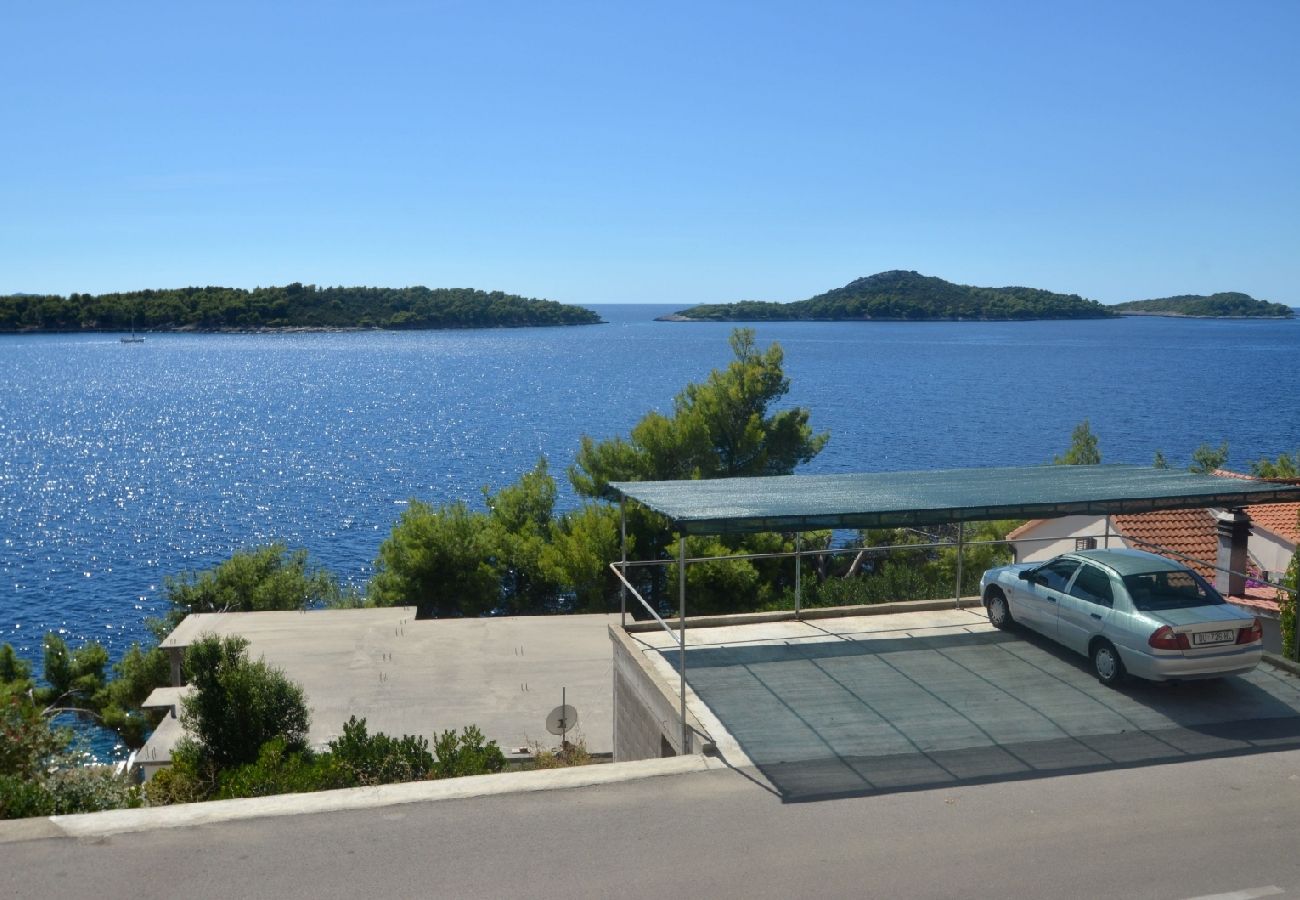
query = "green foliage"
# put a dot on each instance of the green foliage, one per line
(519, 522)
(1159, 462)
(467, 753)
(13, 668)
(577, 556)
(264, 578)
(238, 705)
(1285, 466)
(438, 560)
(909, 295)
(279, 770)
(291, 306)
(1083, 448)
(137, 673)
(720, 428)
(73, 676)
(1287, 601)
(1228, 303)
(379, 759)
(1205, 459)
(186, 780)
(38, 774)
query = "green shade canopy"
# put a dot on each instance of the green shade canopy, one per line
(896, 499)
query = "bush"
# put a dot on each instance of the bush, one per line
(20, 798)
(83, 789)
(279, 770)
(380, 759)
(573, 754)
(1286, 602)
(466, 754)
(238, 705)
(186, 781)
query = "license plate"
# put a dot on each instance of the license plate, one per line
(1213, 637)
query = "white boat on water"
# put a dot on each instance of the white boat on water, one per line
(134, 338)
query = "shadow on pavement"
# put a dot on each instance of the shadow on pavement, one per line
(840, 717)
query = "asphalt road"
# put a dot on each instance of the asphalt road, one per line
(1222, 826)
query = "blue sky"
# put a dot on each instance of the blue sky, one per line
(665, 152)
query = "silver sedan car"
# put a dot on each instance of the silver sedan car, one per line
(1129, 612)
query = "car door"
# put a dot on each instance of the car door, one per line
(1083, 609)
(1040, 595)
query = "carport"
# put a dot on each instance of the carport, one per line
(800, 503)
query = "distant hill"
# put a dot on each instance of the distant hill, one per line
(294, 306)
(1229, 303)
(900, 295)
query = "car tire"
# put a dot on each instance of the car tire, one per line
(1107, 663)
(999, 610)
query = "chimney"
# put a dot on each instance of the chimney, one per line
(1234, 532)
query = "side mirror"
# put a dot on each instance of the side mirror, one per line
(1028, 575)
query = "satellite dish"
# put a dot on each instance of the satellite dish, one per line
(563, 718)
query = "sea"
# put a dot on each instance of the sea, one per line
(123, 464)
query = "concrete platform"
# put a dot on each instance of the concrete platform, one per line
(867, 704)
(422, 677)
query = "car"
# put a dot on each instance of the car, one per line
(1128, 611)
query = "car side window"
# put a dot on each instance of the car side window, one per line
(1056, 574)
(1093, 585)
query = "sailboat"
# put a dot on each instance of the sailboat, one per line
(134, 338)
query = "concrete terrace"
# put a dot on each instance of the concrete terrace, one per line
(880, 703)
(422, 677)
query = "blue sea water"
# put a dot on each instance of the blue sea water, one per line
(121, 464)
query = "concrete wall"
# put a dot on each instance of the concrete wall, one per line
(647, 724)
(1064, 530)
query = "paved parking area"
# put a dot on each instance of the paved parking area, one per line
(833, 707)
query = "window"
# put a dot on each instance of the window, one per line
(1056, 574)
(1093, 585)
(1174, 589)
(1085, 543)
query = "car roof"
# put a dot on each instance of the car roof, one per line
(1129, 562)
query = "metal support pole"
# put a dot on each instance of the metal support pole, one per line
(1106, 537)
(681, 633)
(622, 588)
(961, 546)
(798, 572)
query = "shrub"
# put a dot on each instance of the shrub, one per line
(574, 754)
(82, 789)
(466, 754)
(238, 705)
(21, 798)
(279, 770)
(186, 781)
(1286, 601)
(378, 758)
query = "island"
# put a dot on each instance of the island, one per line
(1225, 305)
(291, 307)
(905, 296)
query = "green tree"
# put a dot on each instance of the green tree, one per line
(1287, 602)
(238, 705)
(438, 560)
(721, 428)
(73, 676)
(270, 577)
(13, 668)
(582, 545)
(1159, 462)
(519, 524)
(1083, 449)
(1284, 467)
(1205, 459)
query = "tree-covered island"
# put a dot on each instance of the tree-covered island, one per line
(293, 306)
(900, 295)
(1228, 304)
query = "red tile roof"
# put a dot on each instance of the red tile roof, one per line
(1283, 519)
(1191, 532)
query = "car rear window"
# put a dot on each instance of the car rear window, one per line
(1170, 590)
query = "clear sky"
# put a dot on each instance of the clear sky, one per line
(652, 152)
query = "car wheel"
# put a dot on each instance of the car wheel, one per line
(1107, 664)
(999, 611)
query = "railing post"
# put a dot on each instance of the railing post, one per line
(961, 546)
(681, 633)
(798, 571)
(1106, 537)
(622, 586)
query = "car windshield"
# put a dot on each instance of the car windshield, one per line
(1170, 590)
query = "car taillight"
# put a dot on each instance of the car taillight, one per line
(1250, 635)
(1165, 638)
